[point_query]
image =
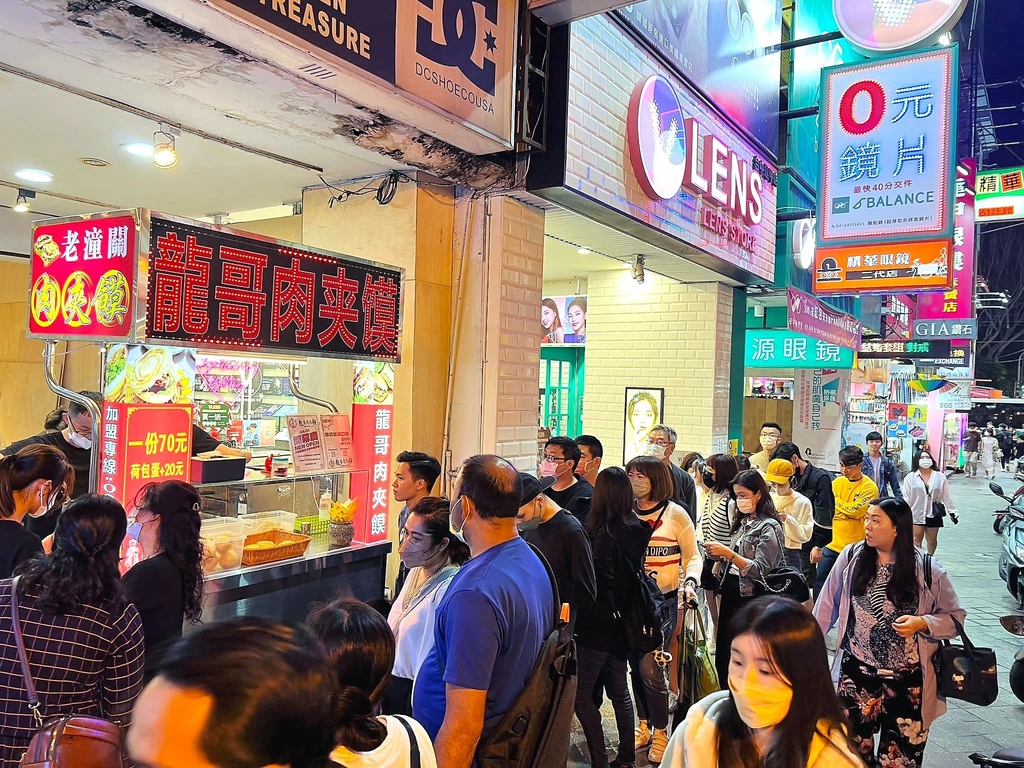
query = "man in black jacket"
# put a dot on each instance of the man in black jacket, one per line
(816, 484)
(661, 443)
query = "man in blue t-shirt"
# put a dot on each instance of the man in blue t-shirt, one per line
(491, 622)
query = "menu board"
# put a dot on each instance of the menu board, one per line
(320, 443)
(83, 278)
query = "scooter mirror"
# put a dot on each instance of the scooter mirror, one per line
(1013, 624)
(996, 488)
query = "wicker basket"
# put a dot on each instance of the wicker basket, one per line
(297, 548)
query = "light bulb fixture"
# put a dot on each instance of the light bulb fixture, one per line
(638, 268)
(22, 204)
(583, 250)
(164, 153)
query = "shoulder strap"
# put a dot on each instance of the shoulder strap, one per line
(551, 578)
(19, 642)
(414, 744)
(927, 570)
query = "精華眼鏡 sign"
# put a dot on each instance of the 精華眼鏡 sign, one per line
(1000, 195)
(220, 288)
(886, 173)
(82, 277)
(786, 349)
(886, 26)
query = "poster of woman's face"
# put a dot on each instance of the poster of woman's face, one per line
(563, 320)
(644, 407)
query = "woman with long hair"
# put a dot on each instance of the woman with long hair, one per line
(890, 614)
(33, 481)
(923, 487)
(778, 708)
(360, 652)
(576, 313)
(989, 448)
(551, 331)
(719, 508)
(433, 555)
(642, 413)
(167, 586)
(756, 550)
(619, 542)
(82, 637)
(675, 562)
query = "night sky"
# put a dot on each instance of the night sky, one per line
(1002, 60)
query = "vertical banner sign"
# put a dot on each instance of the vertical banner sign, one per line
(143, 444)
(958, 302)
(898, 420)
(818, 414)
(885, 217)
(917, 421)
(83, 278)
(372, 410)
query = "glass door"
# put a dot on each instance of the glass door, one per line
(561, 390)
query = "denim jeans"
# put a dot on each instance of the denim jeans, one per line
(611, 669)
(828, 559)
(650, 677)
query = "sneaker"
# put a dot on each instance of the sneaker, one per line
(658, 746)
(955, 518)
(642, 734)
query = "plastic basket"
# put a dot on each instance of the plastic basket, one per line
(317, 526)
(296, 547)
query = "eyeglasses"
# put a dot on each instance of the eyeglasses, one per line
(80, 431)
(553, 459)
(660, 442)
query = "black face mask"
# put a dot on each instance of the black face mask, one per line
(709, 481)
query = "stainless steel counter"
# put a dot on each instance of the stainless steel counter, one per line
(286, 590)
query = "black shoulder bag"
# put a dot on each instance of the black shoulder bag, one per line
(783, 580)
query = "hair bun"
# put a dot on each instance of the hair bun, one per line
(352, 704)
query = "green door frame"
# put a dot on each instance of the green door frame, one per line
(562, 401)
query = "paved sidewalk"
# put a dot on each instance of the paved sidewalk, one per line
(969, 552)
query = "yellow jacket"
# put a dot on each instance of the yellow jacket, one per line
(851, 507)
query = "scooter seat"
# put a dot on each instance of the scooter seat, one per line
(1014, 754)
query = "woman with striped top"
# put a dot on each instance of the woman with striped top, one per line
(674, 560)
(83, 639)
(718, 510)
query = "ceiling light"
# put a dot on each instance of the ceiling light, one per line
(138, 148)
(164, 153)
(93, 162)
(583, 250)
(22, 204)
(34, 175)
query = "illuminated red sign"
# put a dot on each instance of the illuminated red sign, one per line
(211, 287)
(83, 278)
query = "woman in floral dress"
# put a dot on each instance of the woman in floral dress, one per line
(890, 610)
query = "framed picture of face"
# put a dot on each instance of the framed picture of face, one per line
(644, 409)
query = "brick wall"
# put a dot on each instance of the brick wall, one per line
(605, 65)
(658, 334)
(517, 231)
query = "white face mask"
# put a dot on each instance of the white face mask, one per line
(925, 463)
(78, 441)
(655, 450)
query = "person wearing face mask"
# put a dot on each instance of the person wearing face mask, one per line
(891, 615)
(794, 510)
(924, 487)
(675, 562)
(491, 623)
(561, 539)
(661, 444)
(167, 585)
(778, 708)
(756, 550)
(74, 440)
(853, 491)
(32, 482)
(770, 438)
(591, 453)
(569, 491)
(432, 554)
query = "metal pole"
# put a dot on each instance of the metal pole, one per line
(294, 379)
(82, 400)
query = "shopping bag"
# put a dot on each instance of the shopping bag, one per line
(966, 672)
(696, 665)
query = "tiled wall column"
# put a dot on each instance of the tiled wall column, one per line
(658, 334)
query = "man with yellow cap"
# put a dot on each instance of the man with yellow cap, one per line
(794, 510)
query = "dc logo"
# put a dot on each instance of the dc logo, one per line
(458, 24)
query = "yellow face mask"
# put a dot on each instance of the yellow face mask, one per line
(761, 705)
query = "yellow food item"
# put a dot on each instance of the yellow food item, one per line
(229, 558)
(344, 511)
(285, 542)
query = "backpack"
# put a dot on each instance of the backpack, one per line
(534, 732)
(645, 611)
(69, 741)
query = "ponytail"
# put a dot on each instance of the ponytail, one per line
(356, 725)
(32, 463)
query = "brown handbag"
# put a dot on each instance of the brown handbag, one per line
(70, 741)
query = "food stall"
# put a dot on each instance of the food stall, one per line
(197, 323)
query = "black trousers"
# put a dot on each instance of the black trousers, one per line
(729, 606)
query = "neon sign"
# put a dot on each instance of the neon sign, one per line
(887, 26)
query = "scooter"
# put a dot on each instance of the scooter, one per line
(1011, 558)
(1004, 758)
(1018, 475)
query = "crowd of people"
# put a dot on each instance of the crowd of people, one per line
(486, 577)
